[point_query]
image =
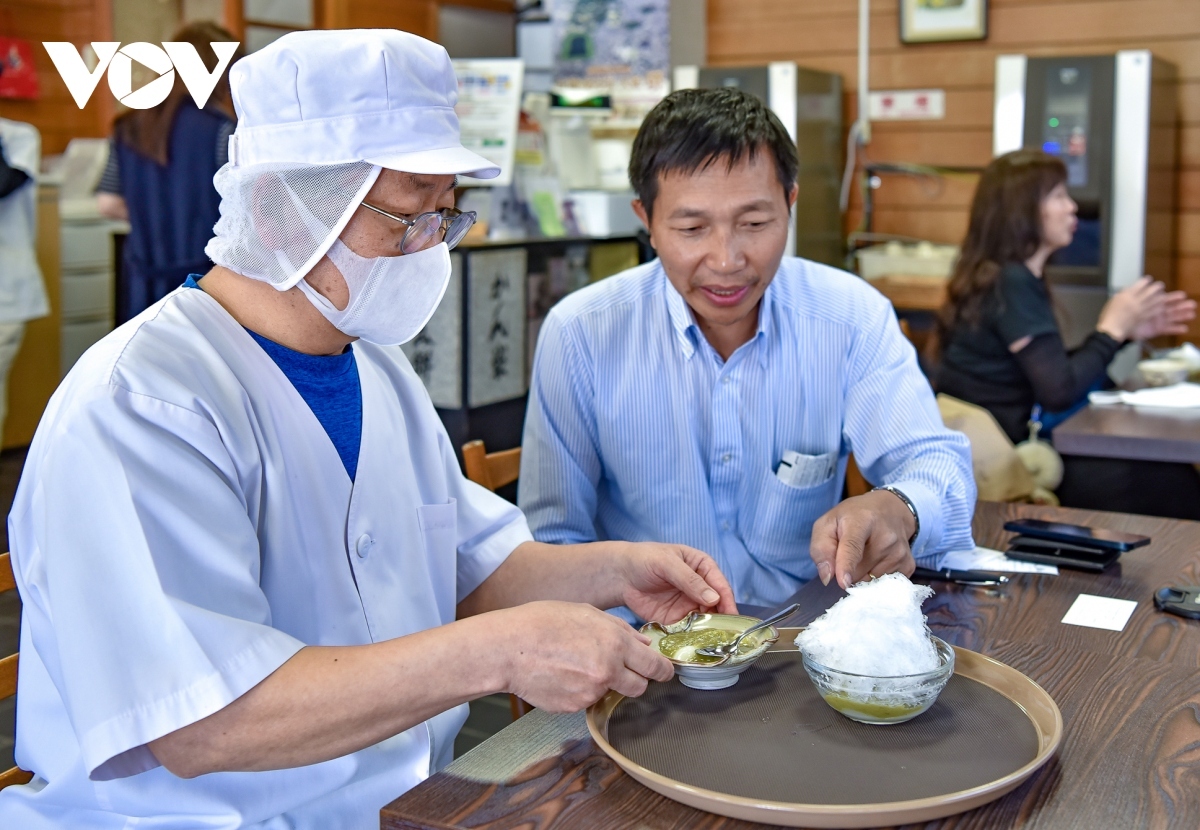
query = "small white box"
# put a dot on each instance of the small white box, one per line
(605, 213)
(897, 259)
(535, 44)
(908, 105)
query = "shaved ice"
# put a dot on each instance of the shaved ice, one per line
(877, 630)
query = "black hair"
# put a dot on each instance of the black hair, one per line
(693, 128)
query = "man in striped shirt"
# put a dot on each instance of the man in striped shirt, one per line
(711, 397)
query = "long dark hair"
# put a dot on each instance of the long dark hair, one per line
(1005, 226)
(148, 132)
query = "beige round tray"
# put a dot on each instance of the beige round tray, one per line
(1009, 683)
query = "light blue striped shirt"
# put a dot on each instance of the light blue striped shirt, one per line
(637, 430)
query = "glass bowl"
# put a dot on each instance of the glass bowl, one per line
(695, 674)
(882, 700)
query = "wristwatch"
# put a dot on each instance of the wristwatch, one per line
(912, 508)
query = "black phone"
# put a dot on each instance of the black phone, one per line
(1063, 554)
(1092, 537)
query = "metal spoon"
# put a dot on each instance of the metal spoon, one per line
(727, 650)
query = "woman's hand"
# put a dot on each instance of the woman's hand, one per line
(1146, 310)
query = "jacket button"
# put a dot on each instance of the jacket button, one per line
(363, 546)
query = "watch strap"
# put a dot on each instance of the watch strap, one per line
(912, 508)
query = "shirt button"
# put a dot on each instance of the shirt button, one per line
(725, 525)
(725, 379)
(726, 457)
(363, 546)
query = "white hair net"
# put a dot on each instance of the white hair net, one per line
(278, 220)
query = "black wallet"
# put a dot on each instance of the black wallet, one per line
(1063, 554)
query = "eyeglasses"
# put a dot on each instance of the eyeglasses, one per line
(452, 223)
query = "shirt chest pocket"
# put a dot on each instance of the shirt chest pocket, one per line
(783, 518)
(439, 530)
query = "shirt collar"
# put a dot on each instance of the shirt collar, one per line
(688, 333)
(682, 320)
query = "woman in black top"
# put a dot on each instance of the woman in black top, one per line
(1000, 343)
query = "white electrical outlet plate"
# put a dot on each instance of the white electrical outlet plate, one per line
(908, 105)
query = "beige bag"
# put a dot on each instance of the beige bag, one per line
(1000, 474)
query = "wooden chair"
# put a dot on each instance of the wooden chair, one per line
(494, 470)
(8, 675)
(491, 470)
(856, 485)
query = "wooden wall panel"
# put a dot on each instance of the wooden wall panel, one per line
(1187, 274)
(823, 35)
(55, 113)
(1189, 190)
(754, 26)
(417, 16)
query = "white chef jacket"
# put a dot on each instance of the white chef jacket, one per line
(22, 292)
(183, 526)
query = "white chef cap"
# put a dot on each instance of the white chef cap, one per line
(320, 113)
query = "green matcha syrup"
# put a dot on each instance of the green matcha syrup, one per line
(682, 646)
(878, 711)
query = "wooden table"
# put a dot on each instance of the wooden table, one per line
(912, 293)
(1130, 701)
(1123, 431)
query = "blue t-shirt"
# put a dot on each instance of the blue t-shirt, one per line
(330, 386)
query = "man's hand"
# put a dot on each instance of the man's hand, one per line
(663, 582)
(863, 536)
(565, 655)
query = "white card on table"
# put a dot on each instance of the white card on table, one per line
(1100, 612)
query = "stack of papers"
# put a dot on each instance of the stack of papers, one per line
(1178, 396)
(986, 559)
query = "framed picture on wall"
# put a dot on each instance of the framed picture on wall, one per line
(929, 21)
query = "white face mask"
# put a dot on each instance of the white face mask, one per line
(391, 297)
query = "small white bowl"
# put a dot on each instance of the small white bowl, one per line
(707, 677)
(1164, 371)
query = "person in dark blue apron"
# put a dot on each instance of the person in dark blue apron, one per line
(160, 177)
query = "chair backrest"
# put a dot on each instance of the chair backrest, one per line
(8, 674)
(491, 470)
(856, 485)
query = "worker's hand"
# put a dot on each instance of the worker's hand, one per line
(664, 583)
(863, 536)
(1146, 310)
(564, 656)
